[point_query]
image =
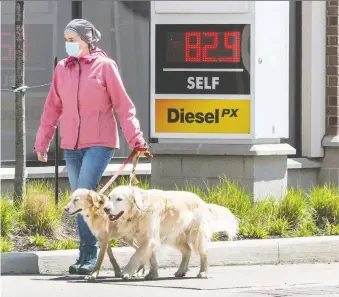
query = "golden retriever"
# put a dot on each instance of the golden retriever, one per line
(90, 204)
(180, 219)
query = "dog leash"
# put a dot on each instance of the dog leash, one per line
(136, 153)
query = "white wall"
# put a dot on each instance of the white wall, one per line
(313, 77)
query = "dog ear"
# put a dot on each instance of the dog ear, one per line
(138, 198)
(94, 198)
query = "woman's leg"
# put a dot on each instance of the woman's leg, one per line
(73, 160)
(94, 163)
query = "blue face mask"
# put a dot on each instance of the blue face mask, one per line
(73, 49)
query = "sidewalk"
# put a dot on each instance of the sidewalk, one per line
(323, 249)
(302, 280)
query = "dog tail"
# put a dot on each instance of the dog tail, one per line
(222, 220)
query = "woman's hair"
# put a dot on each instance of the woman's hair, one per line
(86, 31)
(91, 47)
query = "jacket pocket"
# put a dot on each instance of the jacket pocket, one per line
(68, 131)
(89, 130)
(108, 129)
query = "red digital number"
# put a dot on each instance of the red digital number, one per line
(9, 48)
(231, 42)
(235, 46)
(207, 47)
(195, 46)
(6, 48)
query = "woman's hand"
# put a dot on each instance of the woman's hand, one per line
(143, 144)
(42, 156)
(143, 149)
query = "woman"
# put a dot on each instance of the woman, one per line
(86, 87)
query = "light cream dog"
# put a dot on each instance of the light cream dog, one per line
(177, 218)
(90, 204)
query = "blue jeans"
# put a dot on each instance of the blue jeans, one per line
(85, 168)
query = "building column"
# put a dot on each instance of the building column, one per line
(329, 172)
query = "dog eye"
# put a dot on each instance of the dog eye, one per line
(119, 199)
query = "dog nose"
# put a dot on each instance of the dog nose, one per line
(106, 209)
(65, 208)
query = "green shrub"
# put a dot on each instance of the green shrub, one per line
(254, 231)
(306, 228)
(278, 227)
(333, 229)
(38, 240)
(6, 245)
(67, 244)
(38, 213)
(256, 222)
(325, 202)
(114, 243)
(230, 195)
(8, 216)
(298, 213)
(293, 208)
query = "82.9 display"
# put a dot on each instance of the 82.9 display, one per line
(203, 47)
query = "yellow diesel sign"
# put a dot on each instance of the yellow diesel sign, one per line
(202, 116)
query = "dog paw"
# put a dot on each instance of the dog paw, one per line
(138, 274)
(118, 274)
(180, 273)
(152, 275)
(202, 275)
(126, 276)
(91, 278)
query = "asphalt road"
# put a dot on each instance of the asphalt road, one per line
(238, 281)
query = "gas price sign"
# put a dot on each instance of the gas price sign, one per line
(202, 59)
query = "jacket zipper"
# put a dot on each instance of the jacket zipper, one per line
(76, 144)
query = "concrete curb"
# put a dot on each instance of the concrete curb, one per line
(323, 249)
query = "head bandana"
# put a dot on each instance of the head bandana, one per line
(85, 30)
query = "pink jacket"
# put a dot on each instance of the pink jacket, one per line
(82, 96)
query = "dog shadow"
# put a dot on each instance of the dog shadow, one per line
(138, 281)
(112, 279)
